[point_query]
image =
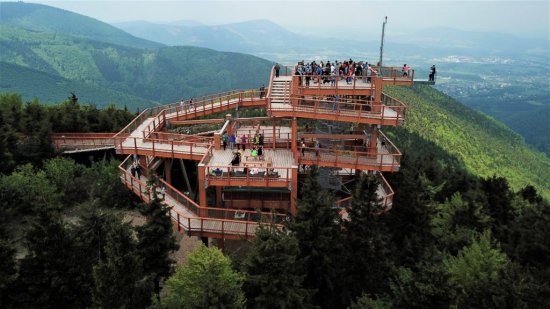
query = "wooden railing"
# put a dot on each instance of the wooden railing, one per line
(349, 158)
(395, 74)
(72, 141)
(335, 82)
(241, 174)
(162, 147)
(167, 136)
(347, 107)
(226, 221)
(386, 199)
(202, 105)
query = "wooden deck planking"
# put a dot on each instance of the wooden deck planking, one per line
(190, 221)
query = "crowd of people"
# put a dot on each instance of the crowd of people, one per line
(350, 70)
(330, 72)
(234, 141)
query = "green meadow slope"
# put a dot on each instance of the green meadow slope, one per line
(484, 146)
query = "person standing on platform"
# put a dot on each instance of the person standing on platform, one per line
(277, 69)
(317, 147)
(262, 92)
(335, 103)
(261, 139)
(232, 141)
(405, 70)
(224, 140)
(138, 170)
(163, 192)
(261, 153)
(432, 73)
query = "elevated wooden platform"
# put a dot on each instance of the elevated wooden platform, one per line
(287, 98)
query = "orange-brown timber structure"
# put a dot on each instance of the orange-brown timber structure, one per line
(257, 191)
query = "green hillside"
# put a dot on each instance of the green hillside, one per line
(43, 18)
(482, 145)
(163, 75)
(53, 88)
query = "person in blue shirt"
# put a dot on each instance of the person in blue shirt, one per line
(231, 141)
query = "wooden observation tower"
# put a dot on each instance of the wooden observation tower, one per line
(231, 200)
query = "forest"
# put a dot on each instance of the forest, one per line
(103, 71)
(451, 239)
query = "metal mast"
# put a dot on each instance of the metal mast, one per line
(382, 46)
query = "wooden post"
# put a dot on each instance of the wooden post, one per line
(185, 177)
(229, 126)
(376, 108)
(218, 196)
(274, 138)
(373, 143)
(168, 170)
(203, 212)
(217, 141)
(293, 190)
(293, 137)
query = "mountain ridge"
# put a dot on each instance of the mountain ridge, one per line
(47, 19)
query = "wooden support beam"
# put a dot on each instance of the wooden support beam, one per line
(185, 177)
(217, 141)
(168, 170)
(274, 138)
(293, 137)
(377, 107)
(373, 143)
(294, 190)
(218, 196)
(202, 191)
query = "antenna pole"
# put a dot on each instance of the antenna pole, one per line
(382, 46)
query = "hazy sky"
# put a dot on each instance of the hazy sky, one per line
(524, 18)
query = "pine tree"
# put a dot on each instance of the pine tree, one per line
(7, 271)
(366, 241)
(410, 219)
(118, 279)
(474, 270)
(499, 204)
(274, 276)
(205, 281)
(318, 231)
(457, 222)
(156, 241)
(50, 274)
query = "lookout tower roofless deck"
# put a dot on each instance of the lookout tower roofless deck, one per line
(287, 144)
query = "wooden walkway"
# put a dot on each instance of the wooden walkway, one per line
(189, 220)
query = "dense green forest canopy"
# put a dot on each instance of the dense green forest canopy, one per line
(451, 239)
(482, 145)
(25, 128)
